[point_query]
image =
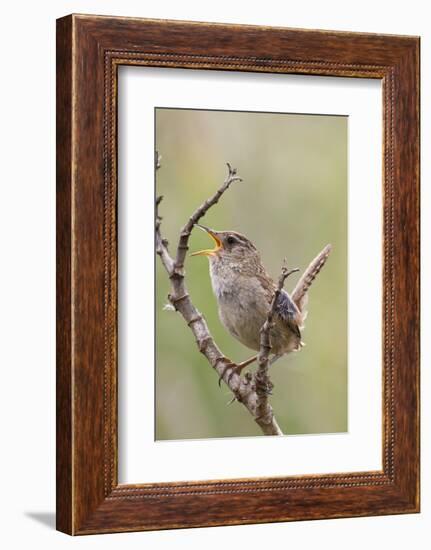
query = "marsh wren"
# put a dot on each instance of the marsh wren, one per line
(244, 293)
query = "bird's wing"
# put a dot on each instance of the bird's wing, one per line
(299, 294)
(285, 309)
(288, 312)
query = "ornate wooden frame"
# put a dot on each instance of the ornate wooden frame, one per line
(89, 51)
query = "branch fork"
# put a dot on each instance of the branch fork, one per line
(252, 392)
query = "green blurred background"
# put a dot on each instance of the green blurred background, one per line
(291, 203)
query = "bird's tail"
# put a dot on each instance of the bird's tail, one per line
(299, 294)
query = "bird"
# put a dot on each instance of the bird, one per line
(244, 291)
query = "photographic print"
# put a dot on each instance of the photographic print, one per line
(237, 232)
(254, 216)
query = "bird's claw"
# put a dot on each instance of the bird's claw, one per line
(264, 388)
(229, 365)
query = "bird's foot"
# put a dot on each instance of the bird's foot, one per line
(228, 365)
(235, 368)
(263, 387)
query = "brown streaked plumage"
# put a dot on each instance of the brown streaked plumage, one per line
(244, 291)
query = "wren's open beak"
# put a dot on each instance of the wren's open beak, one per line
(213, 235)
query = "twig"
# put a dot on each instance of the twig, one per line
(243, 389)
(263, 383)
(183, 244)
(161, 244)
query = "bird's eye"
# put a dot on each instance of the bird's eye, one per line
(231, 240)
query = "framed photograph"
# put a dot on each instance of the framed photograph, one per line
(237, 274)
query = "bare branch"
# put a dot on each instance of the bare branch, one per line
(161, 243)
(243, 389)
(263, 384)
(183, 244)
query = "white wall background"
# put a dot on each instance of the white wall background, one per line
(27, 280)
